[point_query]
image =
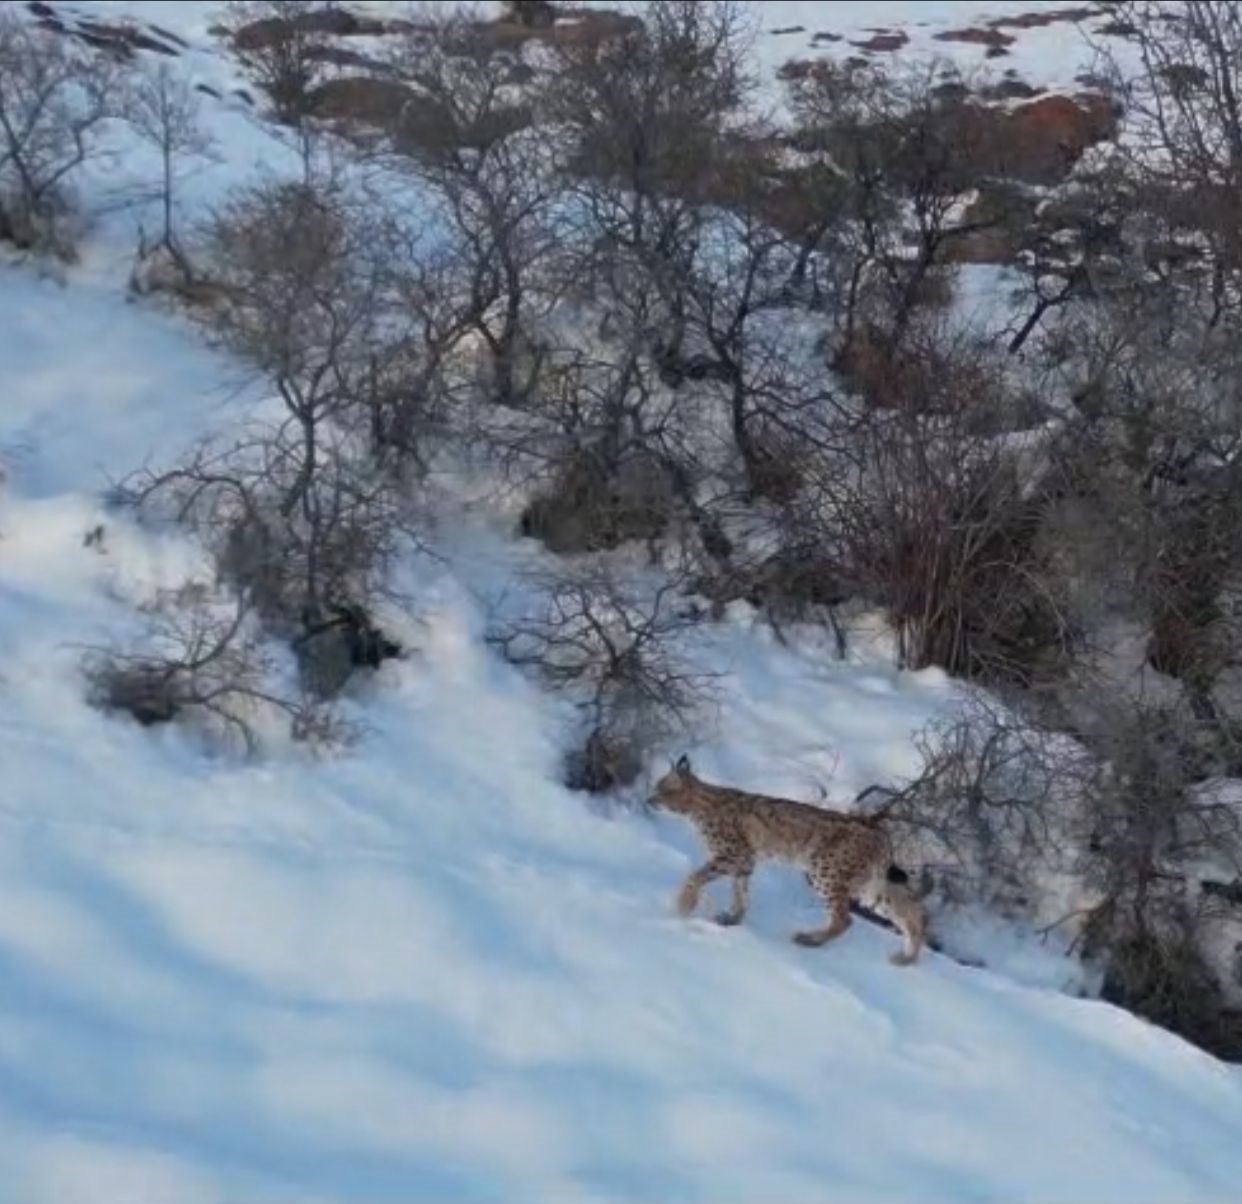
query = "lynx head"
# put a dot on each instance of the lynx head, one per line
(672, 792)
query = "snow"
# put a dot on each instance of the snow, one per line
(1047, 56)
(423, 970)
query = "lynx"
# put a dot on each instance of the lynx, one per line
(846, 857)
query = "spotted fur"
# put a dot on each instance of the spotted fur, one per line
(846, 857)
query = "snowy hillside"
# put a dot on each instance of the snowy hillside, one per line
(423, 969)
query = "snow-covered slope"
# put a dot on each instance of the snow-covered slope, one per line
(1046, 41)
(424, 970)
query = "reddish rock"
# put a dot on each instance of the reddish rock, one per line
(1044, 17)
(884, 39)
(335, 22)
(977, 36)
(1040, 141)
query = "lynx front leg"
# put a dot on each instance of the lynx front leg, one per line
(688, 896)
(837, 899)
(741, 899)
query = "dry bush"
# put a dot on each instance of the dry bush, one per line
(493, 179)
(601, 446)
(304, 512)
(208, 664)
(887, 156)
(591, 505)
(996, 813)
(299, 564)
(283, 45)
(937, 519)
(55, 96)
(1155, 832)
(614, 648)
(164, 110)
(645, 116)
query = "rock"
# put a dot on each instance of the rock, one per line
(886, 40)
(1043, 139)
(334, 648)
(978, 36)
(362, 98)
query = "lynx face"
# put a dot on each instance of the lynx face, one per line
(672, 792)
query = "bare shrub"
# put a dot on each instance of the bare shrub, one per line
(601, 447)
(55, 96)
(206, 663)
(1163, 976)
(467, 136)
(282, 44)
(1157, 825)
(936, 517)
(646, 115)
(889, 155)
(304, 512)
(592, 506)
(299, 564)
(996, 813)
(614, 647)
(164, 111)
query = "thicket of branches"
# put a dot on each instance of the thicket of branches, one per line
(588, 261)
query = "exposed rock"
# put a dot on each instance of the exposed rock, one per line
(977, 36)
(886, 40)
(362, 98)
(534, 14)
(169, 36)
(337, 22)
(1010, 87)
(1038, 19)
(1037, 142)
(1042, 140)
(122, 39)
(333, 649)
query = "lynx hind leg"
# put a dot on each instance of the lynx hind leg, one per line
(898, 904)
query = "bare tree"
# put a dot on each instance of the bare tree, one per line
(935, 514)
(1156, 825)
(615, 648)
(164, 110)
(647, 113)
(998, 809)
(889, 155)
(301, 511)
(54, 98)
(281, 43)
(468, 136)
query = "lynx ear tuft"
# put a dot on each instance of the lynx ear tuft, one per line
(683, 764)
